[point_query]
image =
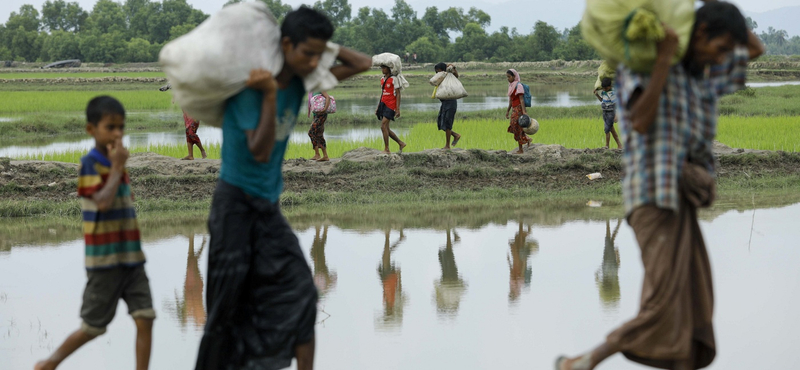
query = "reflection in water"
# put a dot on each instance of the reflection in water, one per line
(324, 279)
(450, 288)
(192, 305)
(521, 273)
(393, 299)
(607, 276)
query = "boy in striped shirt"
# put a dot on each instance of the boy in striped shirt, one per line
(114, 258)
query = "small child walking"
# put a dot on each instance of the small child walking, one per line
(191, 136)
(608, 99)
(318, 129)
(114, 258)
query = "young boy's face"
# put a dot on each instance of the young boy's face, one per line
(707, 51)
(385, 70)
(303, 58)
(110, 128)
(607, 88)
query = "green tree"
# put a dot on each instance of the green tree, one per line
(137, 13)
(575, 47)
(427, 51)
(545, 39)
(751, 24)
(108, 47)
(138, 50)
(60, 15)
(277, 8)
(25, 45)
(178, 31)
(60, 45)
(27, 18)
(471, 45)
(106, 17)
(338, 11)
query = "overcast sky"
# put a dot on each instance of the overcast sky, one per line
(563, 13)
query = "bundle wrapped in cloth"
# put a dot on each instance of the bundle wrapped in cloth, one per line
(395, 65)
(627, 31)
(448, 86)
(213, 62)
(604, 71)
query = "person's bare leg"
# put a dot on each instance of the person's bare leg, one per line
(385, 131)
(305, 355)
(456, 137)
(316, 154)
(608, 140)
(202, 150)
(74, 341)
(616, 138)
(191, 153)
(520, 150)
(144, 340)
(447, 134)
(324, 155)
(597, 355)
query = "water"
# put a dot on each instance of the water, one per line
(471, 295)
(773, 84)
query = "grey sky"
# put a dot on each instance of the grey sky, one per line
(563, 13)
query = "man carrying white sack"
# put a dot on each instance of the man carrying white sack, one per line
(668, 120)
(261, 295)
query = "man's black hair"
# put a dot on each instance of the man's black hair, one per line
(440, 67)
(721, 18)
(304, 22)
(605, 82)
(103, 106)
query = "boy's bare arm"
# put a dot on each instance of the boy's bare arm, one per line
(397, 113)
(644, 105)
(754, 45)
(261, 141)
(352, 63)
(104, 198)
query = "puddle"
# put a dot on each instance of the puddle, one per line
(466, 296)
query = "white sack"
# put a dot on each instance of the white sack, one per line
(395, 65)
(448, 86)
(213, 62)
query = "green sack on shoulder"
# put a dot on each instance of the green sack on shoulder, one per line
(605, 70)
(626, 31)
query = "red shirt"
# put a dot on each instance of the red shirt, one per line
(515, 100)
(188, 121)
(388, 96)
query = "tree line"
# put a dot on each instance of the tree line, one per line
(136, 30)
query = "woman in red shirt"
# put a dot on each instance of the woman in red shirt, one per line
(516, 107)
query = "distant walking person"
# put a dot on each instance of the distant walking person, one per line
(668, 119)
(516, 108)
(315, 133)
(608, 100)
(447, 111)
(389, 108)
(192, 125)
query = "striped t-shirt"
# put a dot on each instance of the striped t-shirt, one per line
(112, 237)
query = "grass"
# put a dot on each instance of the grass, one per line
(75, 101)
(42, 75)
(766, 133)
(763, 101)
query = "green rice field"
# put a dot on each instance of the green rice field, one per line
(9, 76)
(71, 101)
(765, 133)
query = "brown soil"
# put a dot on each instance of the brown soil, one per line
(546, 167)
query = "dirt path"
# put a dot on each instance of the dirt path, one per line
(547, 167)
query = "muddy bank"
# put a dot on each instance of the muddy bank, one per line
(367, 171)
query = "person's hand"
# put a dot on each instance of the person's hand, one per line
(262, 80)
(667, 47)
(397, 113)
(506, 114)
(117, 153)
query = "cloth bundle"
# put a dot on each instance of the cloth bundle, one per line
(213, 62)
(604, 71)
(448, 86)
(316, 104)
(395, 65)
(626, 31)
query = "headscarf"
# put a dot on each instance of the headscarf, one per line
(515, 88)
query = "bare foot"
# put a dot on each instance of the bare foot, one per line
(324, 159)
(578, 363)
(455, 142)
(605, 147)
(188, 158)
(447, 147)
(386, 151)
(518, 151)
(44, 365)
(315, 158)
(204, 154)
(402, 145)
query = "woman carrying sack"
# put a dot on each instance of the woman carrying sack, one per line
(318, 125)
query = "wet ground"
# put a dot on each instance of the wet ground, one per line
(515, 291)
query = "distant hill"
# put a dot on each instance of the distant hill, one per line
(781, 19)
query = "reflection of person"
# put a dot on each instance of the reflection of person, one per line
(324, 280)
(114, 258)
(192, 306)
(607, 276)
(668, 120)
(391, 280)
(389, 108)
(261, 299)
(450, 287)
(518, 267)
(608, 102)
(516, 108)
(447, 111)
(318, 129)
(192, 125)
